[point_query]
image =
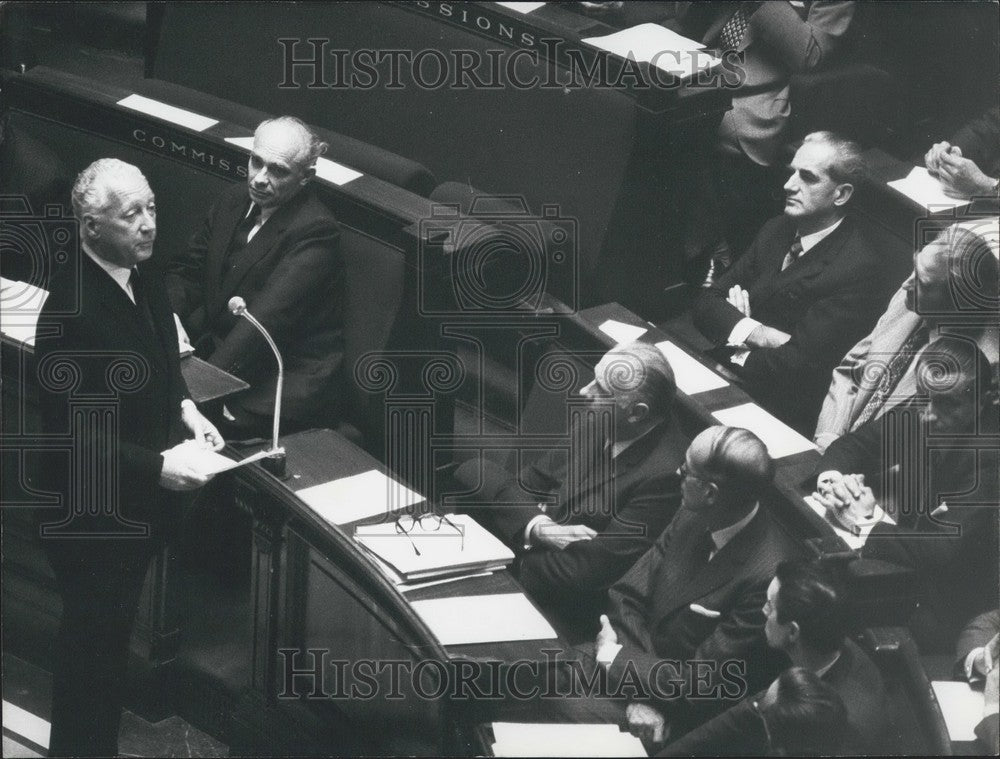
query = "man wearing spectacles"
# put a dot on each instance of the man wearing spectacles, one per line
(697, 594)
(605, 501)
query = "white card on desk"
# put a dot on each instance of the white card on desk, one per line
(621, 332)
(556, 739)
(780, 439)
(923, 189)
(522, 7)
(659, 46)
(167, 112)
(692, 376)
(361, 496)
(961, 707)
(483, 619)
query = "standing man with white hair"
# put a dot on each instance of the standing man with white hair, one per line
(278, 249)
(110, 385)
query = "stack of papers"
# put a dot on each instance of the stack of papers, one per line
(361, 496)
(541, 739)
(658, 46)
(464, 620)
(20, 305)
(458, 546)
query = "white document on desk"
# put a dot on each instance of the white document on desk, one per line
(780, 439)
(20, 305)
(210, 462)
(621, 332)
(961, 707)
(658, 46)
(483, 619)
(556, 739)
(522, 7)
(167, 112)
(923, 189)
(692, 376)
(361, 496)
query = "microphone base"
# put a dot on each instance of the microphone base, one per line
(276, 464)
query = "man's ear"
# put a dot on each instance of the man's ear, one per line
(794, 631)
(91, 226)
(638, 412)
(842, 194)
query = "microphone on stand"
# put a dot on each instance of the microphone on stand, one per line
(275, 461)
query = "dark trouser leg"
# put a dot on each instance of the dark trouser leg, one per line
(100, 598)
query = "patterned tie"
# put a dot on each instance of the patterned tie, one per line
(735, 29)
(893, 373)
(793, 252)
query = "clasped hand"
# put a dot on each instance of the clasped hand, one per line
(846, 497)
(959, 176)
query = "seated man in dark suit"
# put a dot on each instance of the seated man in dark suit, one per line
(278, 250)
(579, 519)
(806, 290)
(697, 595)
(806, 619)
(942, 498)
(800, 714)
(977, 657)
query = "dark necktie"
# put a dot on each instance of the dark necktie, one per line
(893, 373)
(793, 253)
(703, 550)
(141, 304)
(241, 235)
(735, 29)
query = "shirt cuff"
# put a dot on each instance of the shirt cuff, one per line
(738, 337)
(607, 656)
(527, 529)
(739, 358)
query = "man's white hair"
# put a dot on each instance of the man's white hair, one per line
(92, 188)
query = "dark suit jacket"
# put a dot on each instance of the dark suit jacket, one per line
(954, 552)
(110, 351)
(826, 300)
(651, 605)
(739, 732)
(291, 276)
(634, 502)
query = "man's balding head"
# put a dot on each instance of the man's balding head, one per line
(282, 161)
(116, 211)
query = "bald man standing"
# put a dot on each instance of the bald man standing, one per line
(274, 244)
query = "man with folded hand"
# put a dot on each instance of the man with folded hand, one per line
(697, 595)
(809, 286)
(579, 518)
(110, 385)
(930, 467)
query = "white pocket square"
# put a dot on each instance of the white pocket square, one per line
(710, 613)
